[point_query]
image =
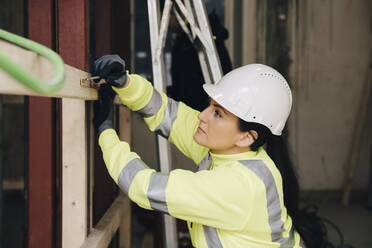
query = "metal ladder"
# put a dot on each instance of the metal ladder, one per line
(199, 33)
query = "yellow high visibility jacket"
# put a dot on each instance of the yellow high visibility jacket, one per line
(231, 201)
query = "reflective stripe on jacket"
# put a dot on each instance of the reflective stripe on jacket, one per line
(231, 201)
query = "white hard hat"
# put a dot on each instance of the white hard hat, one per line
(254, 93)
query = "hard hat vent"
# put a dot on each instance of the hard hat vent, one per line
(281, 79)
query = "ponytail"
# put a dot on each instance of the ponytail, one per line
(277, 150)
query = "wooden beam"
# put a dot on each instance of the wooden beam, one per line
(41, 142)
(74, 173)
(40, 166)
(41, 68)
(13, 99)
(105, 189)
(73, 47)
(125, 134)
(103, 232)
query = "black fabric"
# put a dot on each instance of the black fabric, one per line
(186, 72)
(112, 69)
(103, 109)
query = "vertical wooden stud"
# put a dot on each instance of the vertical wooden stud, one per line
(40, 152)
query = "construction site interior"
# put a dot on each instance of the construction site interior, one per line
(55, 190)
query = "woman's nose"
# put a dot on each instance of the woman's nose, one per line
(202, 115)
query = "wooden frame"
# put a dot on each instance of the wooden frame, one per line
(73, 48)
(103, 232)
(41, 68)
(74, 144)
(74, 173)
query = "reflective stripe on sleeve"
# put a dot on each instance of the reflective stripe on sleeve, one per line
(170, 115)
(128, 173)
(153, 106)
(206, 163)
(287, 242)
(273, 202)
(211, 236)
(156, 192)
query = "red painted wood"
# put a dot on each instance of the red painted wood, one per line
(41, 143)
(111, 36)
(104, 191)
(72, 32)
(102, 27)
(122, 30)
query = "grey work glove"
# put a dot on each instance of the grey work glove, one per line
(112, 69)
(103, 109)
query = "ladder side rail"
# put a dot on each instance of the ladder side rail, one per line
(183, 25)
(210, 49)
(163, 28)
(170, 233)
(201, 47)
(189, 8)
(193, 25)
(202, 57)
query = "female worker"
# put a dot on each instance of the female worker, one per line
(236, 197)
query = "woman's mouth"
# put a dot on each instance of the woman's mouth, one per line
(201, 130)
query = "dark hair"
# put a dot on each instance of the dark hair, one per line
(278, 152)
(262, 131)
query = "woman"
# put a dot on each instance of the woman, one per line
(236, 197)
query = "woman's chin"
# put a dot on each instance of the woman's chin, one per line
(199, 139)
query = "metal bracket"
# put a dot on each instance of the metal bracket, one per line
(90, 82)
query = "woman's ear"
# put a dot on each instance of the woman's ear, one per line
(247, 138)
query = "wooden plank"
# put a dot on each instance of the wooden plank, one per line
(74, 173)
(125, 134)
(91, 141)
(105, 190)
(73, 47)
(41, 142)
(41, 68)
(13, 99)
(40, 166)
(103, 232)
(123, 28)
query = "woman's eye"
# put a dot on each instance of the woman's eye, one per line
(217, 113)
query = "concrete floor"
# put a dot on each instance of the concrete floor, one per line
(354, 221)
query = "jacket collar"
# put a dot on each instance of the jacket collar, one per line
(223, 158)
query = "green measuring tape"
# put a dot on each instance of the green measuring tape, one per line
(24, 77)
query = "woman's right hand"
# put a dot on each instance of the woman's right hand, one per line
(112, 69)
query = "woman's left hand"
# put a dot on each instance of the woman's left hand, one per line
(103, 109)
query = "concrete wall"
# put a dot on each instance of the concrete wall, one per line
(330, 51)
(331, 58)
(327, 58)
